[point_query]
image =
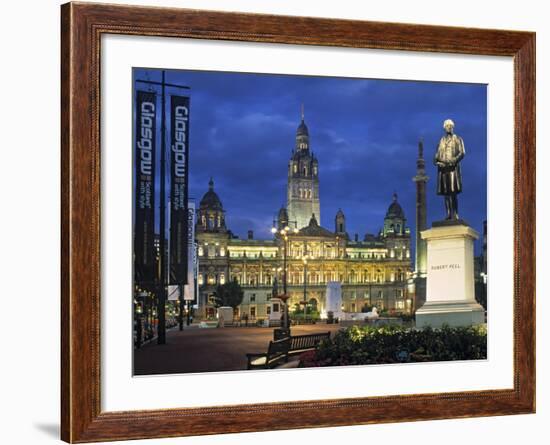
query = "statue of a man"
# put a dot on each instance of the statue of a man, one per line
(447, 158)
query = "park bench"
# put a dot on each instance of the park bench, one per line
(303, 343)
(277, 353)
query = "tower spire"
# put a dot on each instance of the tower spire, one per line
(302, 111)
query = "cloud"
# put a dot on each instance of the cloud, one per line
(364, 133)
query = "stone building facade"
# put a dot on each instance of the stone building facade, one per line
(373, 269)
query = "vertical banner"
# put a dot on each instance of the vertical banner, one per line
(179, 164)
(189, 294)
(144, 158)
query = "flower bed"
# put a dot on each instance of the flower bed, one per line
(394, 344)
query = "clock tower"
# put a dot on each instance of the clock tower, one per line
(303, 181)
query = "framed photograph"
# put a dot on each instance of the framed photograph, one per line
(274, 222)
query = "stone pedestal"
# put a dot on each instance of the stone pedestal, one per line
(450, 297)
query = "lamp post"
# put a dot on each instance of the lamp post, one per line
(139, 303)
(304, 259)
(284, 234)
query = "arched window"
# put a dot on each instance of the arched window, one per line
(295, 168)
(398, 228)
(313, 304)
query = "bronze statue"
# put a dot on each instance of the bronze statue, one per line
(447, 159)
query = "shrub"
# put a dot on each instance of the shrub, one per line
(395, 344)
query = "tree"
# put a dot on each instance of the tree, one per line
(229, 294)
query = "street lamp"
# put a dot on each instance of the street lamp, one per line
(304, 259)
(284, 233)
(139, 302)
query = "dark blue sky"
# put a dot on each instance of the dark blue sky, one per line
(364, 133)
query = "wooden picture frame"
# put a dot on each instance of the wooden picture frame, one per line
(82, 26)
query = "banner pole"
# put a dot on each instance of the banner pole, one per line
(164, 261)
(180, 307)
(161, 338)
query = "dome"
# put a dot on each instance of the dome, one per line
(395, 210)
(211, 200)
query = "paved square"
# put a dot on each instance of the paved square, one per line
(207, 350)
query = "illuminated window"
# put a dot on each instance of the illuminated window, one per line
(201, 279)
(222, 278)
(201, 251)
(222, 251)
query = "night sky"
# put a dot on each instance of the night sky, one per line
(364, 133)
